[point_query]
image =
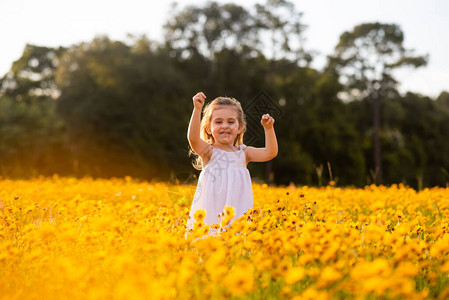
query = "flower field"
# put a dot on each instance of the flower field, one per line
(66, 238)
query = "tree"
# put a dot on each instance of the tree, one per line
(208, 30)
(443, 100)
(366, 58)
(280, 31)
(278, 22)
(123, 107)
(31, 131)
(31, 138)
(273, 29)
(33, 74)
(425, 128)
(194, 35)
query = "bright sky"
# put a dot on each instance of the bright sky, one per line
(53, 23)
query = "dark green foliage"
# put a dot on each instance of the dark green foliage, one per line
(124, 109)
(32, 134)
(106, 108)
(365, 59)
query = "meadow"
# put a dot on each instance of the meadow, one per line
(67, 238)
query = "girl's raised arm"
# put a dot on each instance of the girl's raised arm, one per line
(193, 134)
(271, 145)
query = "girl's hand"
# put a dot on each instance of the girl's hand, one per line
(198, 100)
(267, 121)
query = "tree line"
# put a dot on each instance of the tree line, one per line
(114, 108)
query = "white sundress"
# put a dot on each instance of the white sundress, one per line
(225, 180)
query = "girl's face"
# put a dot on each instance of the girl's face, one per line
(224, 125)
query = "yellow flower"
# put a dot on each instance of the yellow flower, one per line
(377, 205)
(378, 266)
(186, 272)
(199, 215)
(283, 267)
(45, 231)
(240, 280)
(376, 284)
(164, 265)
(119, 238)
(407, 269)
(225, 221)
(445, 267)
(312, 294)
(69, 270)
(216, 266)
(294, 275)
(305, 258)
(328, 276)
(229, 211)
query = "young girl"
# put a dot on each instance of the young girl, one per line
(222, 157)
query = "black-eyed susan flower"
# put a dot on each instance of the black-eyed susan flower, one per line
(199, 215)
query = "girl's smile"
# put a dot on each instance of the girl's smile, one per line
(224, 126)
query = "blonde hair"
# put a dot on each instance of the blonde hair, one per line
(206, 120)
